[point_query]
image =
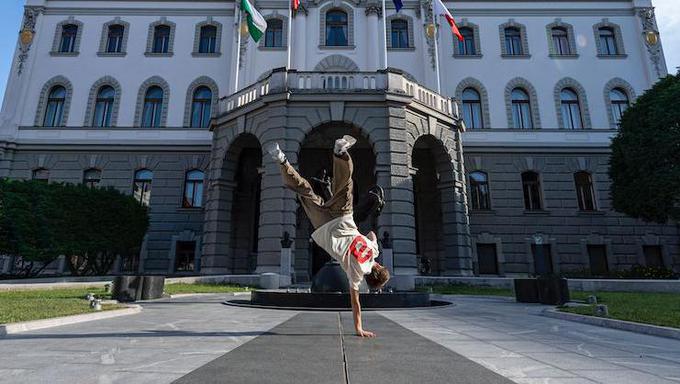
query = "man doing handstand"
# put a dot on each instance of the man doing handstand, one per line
(335, 229)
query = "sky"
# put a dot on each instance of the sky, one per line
(667, 13)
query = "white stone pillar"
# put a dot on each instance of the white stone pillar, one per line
(373, 46)
(299, 40)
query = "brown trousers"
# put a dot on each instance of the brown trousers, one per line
(319, 211)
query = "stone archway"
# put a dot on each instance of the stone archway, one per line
(244, 164)
(315, 155)
(433, 204)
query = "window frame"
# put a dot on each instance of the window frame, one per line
(604, 51)
(92, 182)
(209, 22)
(156, 105)
(151, 43)
(40, 174)
(570, 109)
(349, 11)
(60, 102)
(520, 108)
(57, 43)
(472, 106)
(203, 102)
(197, 187)
(585, 192)
(104, 43)
(145, 182)
(480, 192)
(532, 192)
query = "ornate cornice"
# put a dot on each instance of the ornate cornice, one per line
(374, 9)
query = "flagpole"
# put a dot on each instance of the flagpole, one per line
(436, 48)
(238, 47)
(290, 33)
(384, 17)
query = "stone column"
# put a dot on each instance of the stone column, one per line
(217, 227)
(373, 46)
(299, 39)
(458, 260)
(6, 157)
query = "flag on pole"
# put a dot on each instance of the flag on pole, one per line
(398, 4)
(440, 10)
(296, 5)
(256, 23)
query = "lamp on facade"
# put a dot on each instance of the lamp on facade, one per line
(652, 37)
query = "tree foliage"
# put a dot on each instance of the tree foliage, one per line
(645, 162)
(90, 226)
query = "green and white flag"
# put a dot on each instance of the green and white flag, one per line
(256, 23)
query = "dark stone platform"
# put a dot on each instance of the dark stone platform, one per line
(336, 300)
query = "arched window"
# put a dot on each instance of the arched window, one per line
(40, 174)
(69, 32)
(141, 187)
(467, 46)
(273, 36)
(201, 107)
(521, 109)
(472, 109)
(571, 109)
(619, 103)
(513, 41)
(479, 191)
(399, 28)
(336, 28)
(531, 186)
(193, 189)
(208, 39)
(104, 106)
(153, 106)
(161, 39)
(114, 42)
(584, 191)
(54, 113)
(92, 177)
(560, 41)
(608, 44)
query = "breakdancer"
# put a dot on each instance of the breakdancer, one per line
(333, 221)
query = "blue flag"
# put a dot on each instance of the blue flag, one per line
(398, 4)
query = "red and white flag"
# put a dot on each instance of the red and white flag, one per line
(440, 9)
(295, 4)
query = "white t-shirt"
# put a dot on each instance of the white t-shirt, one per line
(355, 252)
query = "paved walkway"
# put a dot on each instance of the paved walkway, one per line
(483, 338)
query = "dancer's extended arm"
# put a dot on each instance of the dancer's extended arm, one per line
(356, 312)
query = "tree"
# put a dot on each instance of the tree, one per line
(645, 162)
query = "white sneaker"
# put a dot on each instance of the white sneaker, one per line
(344, 144)
(276, 153)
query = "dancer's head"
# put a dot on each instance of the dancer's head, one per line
(378, 276)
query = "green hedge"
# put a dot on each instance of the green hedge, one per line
(39, 222)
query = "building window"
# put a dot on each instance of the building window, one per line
(201, 108)
(653, 256)
(531, 187)
(542, 254)
(608, 44)
(41, 174)
(114, 43)
(69, 33)
(337, 28)
(153, 106)
(479, 191)
(560, 41)
(585, 191)
(521, 109)
(104, 106)
(487, 259)
(399, 28)
(208, 39)
(472, 109)
(597, 256)
(513, 41)
(619, 103)
(141, 187)
(92, 177)
(273, 37)
(193, 189)
(467, 46)
(54, 113)
(185, 254)
(571, 109)
(161, 39)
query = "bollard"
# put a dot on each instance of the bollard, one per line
(601, 310)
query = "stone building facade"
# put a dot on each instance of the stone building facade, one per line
(503, 171)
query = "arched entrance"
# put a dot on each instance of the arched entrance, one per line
(245, 156)
(315, 157)
(433, 200)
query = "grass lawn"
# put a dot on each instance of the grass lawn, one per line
(650, 308)
(173, 289)
(464, 289)
(16, 306)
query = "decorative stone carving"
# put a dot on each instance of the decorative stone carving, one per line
(651, 37)
(27, 34)
(374, 9)
(426, 5)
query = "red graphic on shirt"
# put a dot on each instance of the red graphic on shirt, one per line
(359, 249)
